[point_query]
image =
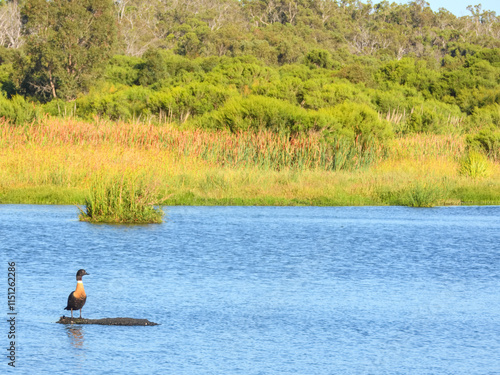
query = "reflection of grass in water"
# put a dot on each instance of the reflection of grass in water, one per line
(121, 200)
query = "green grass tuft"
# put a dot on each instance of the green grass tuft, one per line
(417, 194)
(475, 165)
(123, 200)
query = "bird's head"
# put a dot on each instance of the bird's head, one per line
(81, 273)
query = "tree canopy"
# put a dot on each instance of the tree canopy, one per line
(336, 66)
(66, 42)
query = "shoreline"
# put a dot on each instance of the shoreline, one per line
(53, 196)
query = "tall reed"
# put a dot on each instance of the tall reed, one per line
(263, 149)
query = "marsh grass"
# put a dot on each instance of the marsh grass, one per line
(475, 165)
(56, 161)
(123, 200)
(263, 149)
(416, 194)
(422, 194)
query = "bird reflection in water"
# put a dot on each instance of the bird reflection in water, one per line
(76, 336)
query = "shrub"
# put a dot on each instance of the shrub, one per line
(356, 121)
(258, 112)
(319, 58)
(355, 73)
(488, 115)
(114, 102)
(17, 110)
(487, 140)
(330, 95)
(123, 70)
(160, 64)
(6, 83)
(194, 99)
(422, 195)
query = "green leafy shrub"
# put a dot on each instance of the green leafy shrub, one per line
(319, 58)
(485, 116)
(124, 70)
(17, 110)
(330, 95)
(160, 64)
(195, 99)
(355, 73)
(288, 88)
(422, 195)
(258, 112)
(114, 102)
(241, 72)
(487, 141)
(355, 121)
(6, 83)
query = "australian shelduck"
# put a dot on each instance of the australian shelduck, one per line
(77, 299)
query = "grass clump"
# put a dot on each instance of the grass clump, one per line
(121, 200)
(422, 195)
(475, 165)
(417, 194)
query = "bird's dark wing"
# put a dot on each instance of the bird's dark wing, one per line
(75, 303)
(71, 302)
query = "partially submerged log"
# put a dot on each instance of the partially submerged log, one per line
(107, 321)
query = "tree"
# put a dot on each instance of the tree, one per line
(67, 44)
(10, 24)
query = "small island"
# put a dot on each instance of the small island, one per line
(107, 321)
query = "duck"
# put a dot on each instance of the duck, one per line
(77, 299)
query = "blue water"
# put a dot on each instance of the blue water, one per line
(259, 290)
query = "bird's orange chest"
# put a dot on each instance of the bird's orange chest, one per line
(80, 291)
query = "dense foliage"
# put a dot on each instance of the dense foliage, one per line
(341, 68)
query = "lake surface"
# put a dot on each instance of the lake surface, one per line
(258, 290)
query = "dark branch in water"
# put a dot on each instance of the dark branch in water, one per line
(107, 321)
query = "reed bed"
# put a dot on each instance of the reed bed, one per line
(264, 149)
(424, 146)
(56, 161)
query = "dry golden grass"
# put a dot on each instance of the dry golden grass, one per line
(60, 157)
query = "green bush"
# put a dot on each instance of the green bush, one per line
(195, 99)
(258, 112)
(319, 58)
(487, 141)
(418, 194)
(355, 73)
(241, 72)
(17, 110)
(356, 121)
(485, 117)
(6, 83)
(114, 102)
(330, 95)
(160, 64)
(288, 88)
(124, 70)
